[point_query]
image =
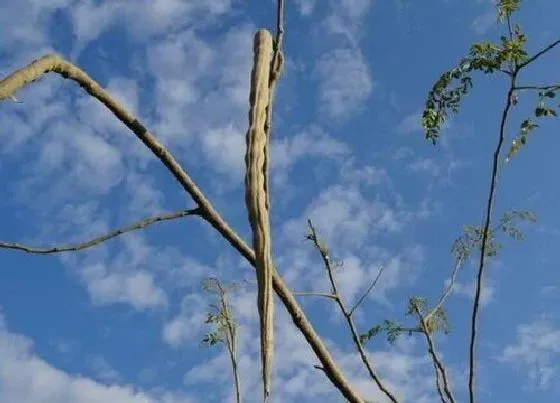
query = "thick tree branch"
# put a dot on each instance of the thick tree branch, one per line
(53, 63)
(96, 241)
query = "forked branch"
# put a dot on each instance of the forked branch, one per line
(54, 63)
(312, 236)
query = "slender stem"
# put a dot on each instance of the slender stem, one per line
(538, 87)
(447, 292)
(98, 240)
(538, 54)
(440, 369)
(485, 233)
(361, 299)
(315, 294)
(355, 336)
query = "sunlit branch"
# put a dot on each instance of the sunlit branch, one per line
(315, 294)
(53, 63)
(96, 241)
(355, 336)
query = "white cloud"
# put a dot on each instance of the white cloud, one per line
(314, 142)
(468, 290)
(484, 22)
(425, 165)
(305, 7)
(363, 175)
(537, 350)
(345, 82)
(142, 18)
(102, 368)
(25, 377)
(226, 148)
(188, 325)
(135, 288)
(410, 123)
(343, 216)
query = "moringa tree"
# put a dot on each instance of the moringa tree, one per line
(508, 57)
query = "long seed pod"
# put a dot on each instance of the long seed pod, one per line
(256, 197)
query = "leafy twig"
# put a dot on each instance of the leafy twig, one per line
(226, 327)
(439, 368)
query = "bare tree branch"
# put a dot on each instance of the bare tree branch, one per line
(96, 241)
(538, 54)
(485, 233)
(447, 292)
(361, 299)
(537, 87)
(316, 294)
(355, 336)
(53, 63)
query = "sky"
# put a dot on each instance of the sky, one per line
(123, 321)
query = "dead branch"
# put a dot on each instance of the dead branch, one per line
(100, 239)
(347, 315)
(54, 63)
(316, 294)
(365, 294)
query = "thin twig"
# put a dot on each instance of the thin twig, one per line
(53, 63)
(537, 87)
(98, 240)
(448, 290)
(538, 54)
(355, 336)
(231, 335)
(440, 369)
(373, 284)
(316, 294)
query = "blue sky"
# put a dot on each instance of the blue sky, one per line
(122, 321)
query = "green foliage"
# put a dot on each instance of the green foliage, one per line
(221, 317)
(528, 125)
(437, 320)
(506, 8)
(393, 330)
(472, 237)
(508, 221)
(486, 57)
